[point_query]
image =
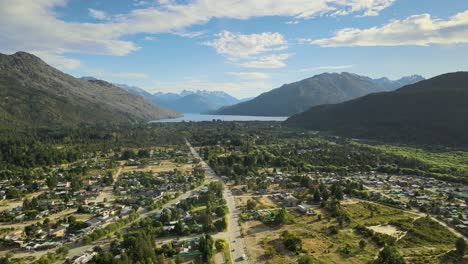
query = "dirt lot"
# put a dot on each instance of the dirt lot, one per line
(264, 244)
(263, 202)
(388, 230)
(163, 166)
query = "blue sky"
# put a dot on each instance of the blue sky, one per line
(241, 47)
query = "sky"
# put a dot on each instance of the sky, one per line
(242, 47)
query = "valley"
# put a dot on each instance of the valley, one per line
(184, 186)
(233, 132)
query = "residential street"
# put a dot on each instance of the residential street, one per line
(233, 235)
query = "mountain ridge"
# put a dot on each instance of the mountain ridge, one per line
(320, 89)
(35, 94)
(432, 111)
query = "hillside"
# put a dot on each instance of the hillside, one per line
(134, 90)
(433, 111)
(35, 94)
(194, 102)
(326, 88)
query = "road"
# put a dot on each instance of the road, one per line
(233, 235)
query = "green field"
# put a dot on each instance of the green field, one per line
(438, 159)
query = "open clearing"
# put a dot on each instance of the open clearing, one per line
(163, 166)
(264, 244)
(388, 230)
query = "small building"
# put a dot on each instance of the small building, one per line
(58, 232)
(290, 201)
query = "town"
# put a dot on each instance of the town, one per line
(219, 199)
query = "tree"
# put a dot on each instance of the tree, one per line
(305, 259)
(221, 224)
(362, 244)
(220, 245)
(389, 255)
(63, 250)
(317, 196)
(460, 246)
(128, 154)
(143, 153)
(179, 228)
(51, 182)
(166, 215)
(207, 221)
(291, 241)
(251, 204)
(206, 247)
(338, 193)
(282, 217)
(108, 179)
(220, 211)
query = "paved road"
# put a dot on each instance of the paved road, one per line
(233, 234)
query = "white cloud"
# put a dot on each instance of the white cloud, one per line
(330, 67)
(251, 75)
(149, 38)
(33, 26)
(97, 14)
(193, 34)
(252, 50)
(418, 30)
(240, 46)
(292, 22)
(59, 61)
(140, 3)
(268, 62)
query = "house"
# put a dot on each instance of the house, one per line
(126, 210)
(305, 209)
(58, 232)
(290, 201)
(63, 186)
(169, 228)
(93, 221)
(87, 257)
(89, 182)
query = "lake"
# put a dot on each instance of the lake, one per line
(201, 118)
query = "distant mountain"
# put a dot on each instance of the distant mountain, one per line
(434, 111)
(390, 85)
(326, 88)
(194, 101)
(134, 90)
(34, 94)
(186, 101)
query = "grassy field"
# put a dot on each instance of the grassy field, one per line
(368, 214)
(425, 240)
(420, 239)
(437, 159)
(262, 202)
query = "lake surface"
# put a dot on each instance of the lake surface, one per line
(200, 118)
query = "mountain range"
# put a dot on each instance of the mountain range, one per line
(326, 88)
(34, 94)
(433, 111)
(199, 101)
